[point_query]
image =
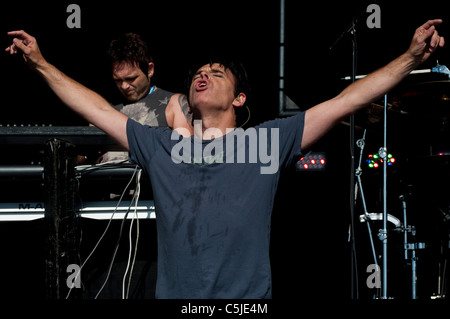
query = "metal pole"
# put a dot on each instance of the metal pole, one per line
(281, 96)
(354, 292)
(383, 154)
(413, 275)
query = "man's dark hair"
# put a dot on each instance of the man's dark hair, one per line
(130, 48)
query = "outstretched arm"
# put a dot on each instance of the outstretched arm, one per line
(322, 117)
(88, 104)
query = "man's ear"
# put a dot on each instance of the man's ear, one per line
(150, 70)
(239, 100)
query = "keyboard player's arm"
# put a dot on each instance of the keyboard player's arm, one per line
(87, 103)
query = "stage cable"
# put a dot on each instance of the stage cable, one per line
(113, 258)
(135, 216)
(90, 168)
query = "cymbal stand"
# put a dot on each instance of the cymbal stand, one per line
(410, 247)
(382, 235)
(361, 143)
(442, 266)
(365, 217)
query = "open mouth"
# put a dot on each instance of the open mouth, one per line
(201, 85)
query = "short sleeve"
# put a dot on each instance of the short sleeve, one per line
(144, 141)
(287, 133)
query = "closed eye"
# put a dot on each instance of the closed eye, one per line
(128, 80)
(217, 73)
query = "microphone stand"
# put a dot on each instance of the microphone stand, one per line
(351, 29)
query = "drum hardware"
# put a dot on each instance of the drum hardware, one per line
(361, 143)
(383, 232)
(378, 216)
(441, 69)
(435, 94)
(443, 260)
(436, 69)
(410, 247)
(442, 275)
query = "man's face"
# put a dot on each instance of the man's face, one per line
(131, 81)
(212, 86)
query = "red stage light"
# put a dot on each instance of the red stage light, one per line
(313, 161)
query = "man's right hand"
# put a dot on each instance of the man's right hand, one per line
(27, 45)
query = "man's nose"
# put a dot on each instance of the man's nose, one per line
(125, 85)
(204, 75)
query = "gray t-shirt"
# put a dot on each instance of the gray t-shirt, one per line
(213, 216)
(151, 110)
